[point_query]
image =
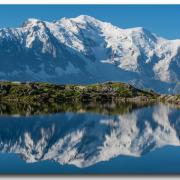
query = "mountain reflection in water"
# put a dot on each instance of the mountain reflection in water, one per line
(87, 134)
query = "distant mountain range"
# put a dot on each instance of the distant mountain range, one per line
(84, 139)
(84, 50)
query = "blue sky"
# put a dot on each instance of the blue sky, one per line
(164, 20)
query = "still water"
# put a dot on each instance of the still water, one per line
(108, 139)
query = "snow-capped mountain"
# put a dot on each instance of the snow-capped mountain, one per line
(84, 139)
(87, 50)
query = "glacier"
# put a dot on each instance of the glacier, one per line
(85, 50)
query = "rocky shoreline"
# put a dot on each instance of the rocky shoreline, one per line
(171, 99)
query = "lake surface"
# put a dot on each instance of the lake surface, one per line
(93, 139)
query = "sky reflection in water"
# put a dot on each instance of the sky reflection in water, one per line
(139, 139)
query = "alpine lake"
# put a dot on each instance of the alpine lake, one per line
(89, 137)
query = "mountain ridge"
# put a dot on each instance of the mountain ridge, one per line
(87, 50)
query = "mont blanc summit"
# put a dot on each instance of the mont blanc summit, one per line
(87, 50)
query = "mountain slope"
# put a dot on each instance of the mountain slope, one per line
(31, 93)
(86, 50)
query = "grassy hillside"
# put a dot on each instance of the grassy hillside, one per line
(105, 98)
(44, 92)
